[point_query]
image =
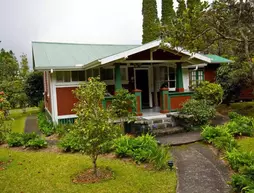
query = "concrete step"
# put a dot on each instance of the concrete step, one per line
(162, 125)
(167, 131)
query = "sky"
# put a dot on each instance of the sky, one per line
(82, 21)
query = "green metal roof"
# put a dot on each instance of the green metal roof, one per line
(47, 55)
(217, 59)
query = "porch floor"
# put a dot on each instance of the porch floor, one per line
(152, 113)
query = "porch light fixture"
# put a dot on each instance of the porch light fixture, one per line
(51, 71)
(78, 65)
(170, 164)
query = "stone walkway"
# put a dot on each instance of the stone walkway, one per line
(180, 138)
(199, 170)
(31, 124)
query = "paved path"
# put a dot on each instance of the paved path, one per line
(31, 124)
(199, 170)
(180, 138)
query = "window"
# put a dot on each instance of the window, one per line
(124, 73)
(93, 72)
(63, 76)
(107, 74)
(78, 76)
(67, 76)
(167, 77)
(196, 76)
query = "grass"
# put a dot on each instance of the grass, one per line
(16, 113)
(18, 118)
(243, 108)
(246, 143)
(51, 172)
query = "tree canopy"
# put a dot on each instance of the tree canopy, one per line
(167, 13)
(151, 24)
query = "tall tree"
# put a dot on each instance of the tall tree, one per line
(168, 13)
(8, 65)
(181, 8)
(151, 22)
(34, 88)
(24, 68)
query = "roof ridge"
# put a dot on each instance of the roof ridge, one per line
(77, 43)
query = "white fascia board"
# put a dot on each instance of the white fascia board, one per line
(195, 65)
(192, 55)
(127, 53)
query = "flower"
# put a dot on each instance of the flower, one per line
(2, 93)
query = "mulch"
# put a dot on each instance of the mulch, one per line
(88, 176)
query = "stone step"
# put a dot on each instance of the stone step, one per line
(162, 125)
(167, 131)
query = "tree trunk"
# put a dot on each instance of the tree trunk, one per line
(94, 158)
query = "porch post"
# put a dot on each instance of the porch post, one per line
(179, 78)
(138, 95)
(118, 79)
(164, 100)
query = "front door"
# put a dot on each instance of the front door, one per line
(142, 83)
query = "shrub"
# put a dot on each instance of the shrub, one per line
(142, 149)
(45, 125)
(28, 136)
(211, 92)
(15, 139)
(70, 143)
(241, 125)
(219, 136)
(41, 106)
(61, 129)
(201, 111)
(241, 183)
(36, 143)
(238, 159)
(4, 128)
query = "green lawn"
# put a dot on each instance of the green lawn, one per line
(18, 118)
(244, 108)
(51, 172)
(246, 143)
(15, 113)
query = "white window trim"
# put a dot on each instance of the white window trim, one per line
(71, 82)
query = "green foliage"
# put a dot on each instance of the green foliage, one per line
(240, 125)
(45, 125)
(71, 143)
(24, 68)
(142, 149)
(4, 128)
(200, 110)
(34, 88)
(233, 77)
(36, 143)
(167, 13)
(15, 139)
(238, 159)
(14, 91)
(150, 21)
(241, 183)
(181, 8)
(8, 66)
(31, 140)
(211, 92)
(122, 106)
(220, 137)
(94, 124)
(41, 106)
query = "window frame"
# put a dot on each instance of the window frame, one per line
(71, 81)
(198, 78)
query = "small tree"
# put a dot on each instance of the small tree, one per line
(4, 104)
(211, 92)
(94, 124)
(122, 106)
(24, 68)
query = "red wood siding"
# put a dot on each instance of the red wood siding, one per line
(164, 55)
(176, 101)
(47, 93)
(65, 100)
(210, 75)
(246, 94)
